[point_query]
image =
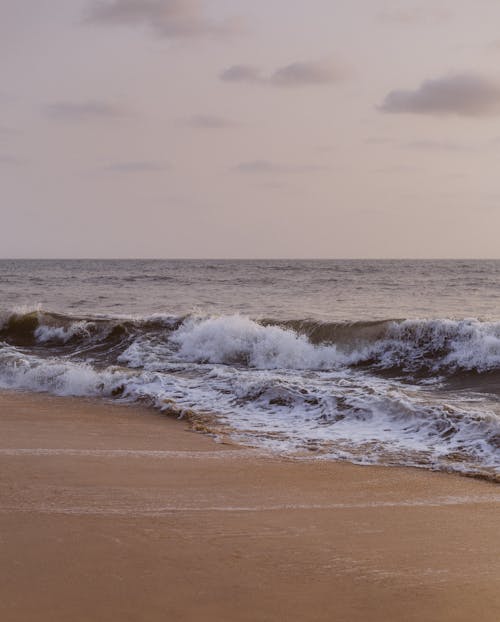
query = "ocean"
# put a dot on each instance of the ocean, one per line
(392, 362)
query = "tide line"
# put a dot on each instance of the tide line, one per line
(176, 509)
(132, 453)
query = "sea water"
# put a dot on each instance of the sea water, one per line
(376, 362)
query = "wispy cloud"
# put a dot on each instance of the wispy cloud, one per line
(10, 160)
(433, 145)
(210, 122)
(463, 94)
(296, 74)
(395, 168)
(7, 131)
(307, 73)
(415, 15)
(494, 45)
(140, 166)
(166, 18)
(81, 111)
(378, 140)
(7, 97)
(242, 73)
(259, 167)
(421, 144)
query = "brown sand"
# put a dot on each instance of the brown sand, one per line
(206, 531)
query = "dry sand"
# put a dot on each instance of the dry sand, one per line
(114, 513)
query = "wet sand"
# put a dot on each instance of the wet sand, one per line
(115, 513)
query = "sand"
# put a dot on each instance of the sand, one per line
(116, 513)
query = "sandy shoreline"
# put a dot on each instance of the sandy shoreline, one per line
(119, 513)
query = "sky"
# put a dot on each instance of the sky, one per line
(263, 129)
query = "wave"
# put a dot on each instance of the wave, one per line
(424, 347)
(236, 339)
(414, 347)
(59, 332)
(343, 414)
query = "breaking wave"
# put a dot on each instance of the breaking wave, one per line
(411, 346)
(369, 392)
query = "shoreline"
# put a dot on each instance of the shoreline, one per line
(118, 512)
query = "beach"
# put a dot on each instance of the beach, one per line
(114, 512)
(249, 311)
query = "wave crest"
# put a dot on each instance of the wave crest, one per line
(415, 347)
(237, 339)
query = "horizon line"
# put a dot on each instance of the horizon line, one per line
(249, 258)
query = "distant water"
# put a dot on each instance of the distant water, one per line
(389, 362)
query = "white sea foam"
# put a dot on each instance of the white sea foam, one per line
(236, 339)
(438, 345)
(461, 344)
(271, 387)
(332, 384)
(59, 377)
(338, 414)
(62, 334)
(411, 344)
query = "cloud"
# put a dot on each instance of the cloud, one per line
(8, 131)
(6, 97)
(81, 111)
(378, 140)
(395, 168)
(211, 122)
(258, 167)
(145, 166)
(415, 15)
(293, 75)
(433, 145)
(462, 94)
(241, 73)
(9, 160)
(302, 74)
(418, 145)
(167, 18)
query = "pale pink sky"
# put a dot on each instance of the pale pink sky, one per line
(271, 128)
